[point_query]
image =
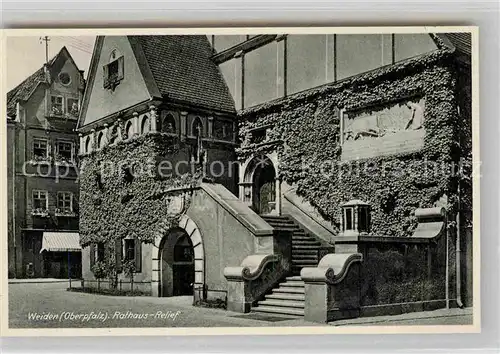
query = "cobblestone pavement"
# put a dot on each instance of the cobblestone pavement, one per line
(26, 300)
(49, 305)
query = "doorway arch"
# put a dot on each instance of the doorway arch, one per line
(260, 185)
(168, 268)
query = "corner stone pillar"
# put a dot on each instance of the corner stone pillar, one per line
(153, 120)
(332, 289)
(210, 127)
(135, 123)
(183, 125)
(80, 147)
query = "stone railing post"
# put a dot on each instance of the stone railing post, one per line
(332, 289)
(250, 281)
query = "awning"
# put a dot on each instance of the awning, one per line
(61, 242)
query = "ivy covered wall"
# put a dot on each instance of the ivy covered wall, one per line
(305, 131)
(114, 204)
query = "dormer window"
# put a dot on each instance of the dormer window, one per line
(113, 71)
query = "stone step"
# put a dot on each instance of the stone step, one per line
(289, 290)
(313, 251)
(292, 284)
(285, 296)
(306, 243)
(304, 257)
(304, 261)
(282, 303)
(304, 247)
(279, 310)
(294, 278)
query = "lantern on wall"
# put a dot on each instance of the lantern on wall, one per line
(355, 218)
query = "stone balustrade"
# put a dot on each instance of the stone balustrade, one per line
(332, 289)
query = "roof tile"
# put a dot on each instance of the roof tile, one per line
(183, 70)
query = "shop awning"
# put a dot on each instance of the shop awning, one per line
(61, 242)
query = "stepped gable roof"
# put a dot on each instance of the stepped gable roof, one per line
(184, 71)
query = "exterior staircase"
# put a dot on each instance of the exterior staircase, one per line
(287, 299)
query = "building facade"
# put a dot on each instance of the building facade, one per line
(335, 135)
(42, 113)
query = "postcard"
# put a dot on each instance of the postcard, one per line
(240, 181)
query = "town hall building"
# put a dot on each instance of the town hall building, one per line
(298, 175)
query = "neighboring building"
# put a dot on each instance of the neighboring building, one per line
(42, 112)
(300, 101)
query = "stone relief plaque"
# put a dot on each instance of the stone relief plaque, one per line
(376, 131)
(373, 123)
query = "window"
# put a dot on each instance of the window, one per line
(129, 130)
(40, 201)
(261, 75)
(56, 105)
(64, 78)
(113, 71)
(133, 252)
(64, 151)
(129, 249)
(197, 128)
(72, 104)
(168, 124)
(65, 202)
(87, 145)
(100, 252)
(40, 149)
(113, 137)
(100, 140)
(145, 126)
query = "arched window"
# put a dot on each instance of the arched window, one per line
(129, 130)
(168, 124)
(113, 136)
(197, 128)
(87, 145)
(145, 125)
(197, 131)
(100, 140)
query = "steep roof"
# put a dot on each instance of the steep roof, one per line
(461, 41)
(23, 91)
(183, 70)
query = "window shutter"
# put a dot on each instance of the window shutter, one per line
(118, 255)
(138, 255)
(92, 255)
(105, 76)
(120, 68)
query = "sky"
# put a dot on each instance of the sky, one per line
(25, 55)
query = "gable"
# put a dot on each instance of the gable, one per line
(131, 90)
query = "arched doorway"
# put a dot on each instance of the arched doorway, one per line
(177, 264)
(264, 184)
(163, 258)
